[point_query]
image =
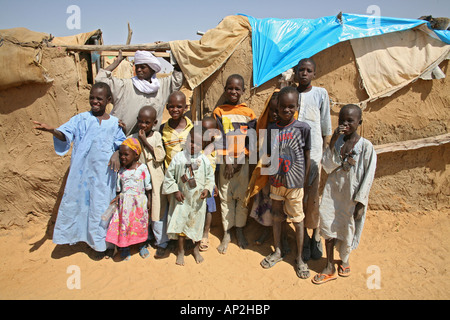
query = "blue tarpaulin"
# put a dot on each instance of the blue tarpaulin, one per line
(278, 44)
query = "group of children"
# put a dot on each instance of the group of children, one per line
(164, 182)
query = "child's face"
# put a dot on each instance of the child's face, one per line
(144, 72)
(305, 73)
(196, 143)
(127, 156)
(273, 110)
(350, 120)
(146, 121)
(176, 106)
(233, 90)
(287, 106)
(98, 100)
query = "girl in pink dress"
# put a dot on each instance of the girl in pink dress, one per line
(129, 224)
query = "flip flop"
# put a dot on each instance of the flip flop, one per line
(143, 252)
(204, 244)
(326, 278)
(269, 262)
(342, 271)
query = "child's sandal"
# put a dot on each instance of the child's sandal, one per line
(143, 252)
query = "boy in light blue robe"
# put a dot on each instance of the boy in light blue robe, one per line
(90, 185)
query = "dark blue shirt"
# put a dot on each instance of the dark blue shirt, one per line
(291, 141)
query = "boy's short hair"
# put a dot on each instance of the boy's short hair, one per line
(354, 107)
(177, 94)
(238, 77)
(148, 108)
(287, 90)
(209, 118)
(310, 60)
(102, 85)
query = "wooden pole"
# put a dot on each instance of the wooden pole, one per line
(413, 144)
(130, 33)
(162, 46)
(131, 54)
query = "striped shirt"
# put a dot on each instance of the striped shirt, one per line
(291, 141)
(174, 140)
(234, 121)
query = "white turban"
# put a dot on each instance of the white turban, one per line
(145, 57)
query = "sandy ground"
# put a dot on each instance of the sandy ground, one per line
(410, 253)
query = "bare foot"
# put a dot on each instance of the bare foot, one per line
(344, 269)
(197, 256)
(263, 236)
(329, 269)
(180, 258)
(326, 275)
(222, 248)
(242, 241)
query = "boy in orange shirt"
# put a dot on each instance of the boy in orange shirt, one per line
(234, 119)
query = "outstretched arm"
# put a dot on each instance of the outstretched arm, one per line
(116, 62)
(47, 128)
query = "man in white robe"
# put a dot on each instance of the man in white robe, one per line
(145, 89)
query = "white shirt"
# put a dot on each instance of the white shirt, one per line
(314, 109)
(127, 100)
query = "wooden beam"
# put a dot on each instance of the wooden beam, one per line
(131, 54)
(162, 46)
(413, 144)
